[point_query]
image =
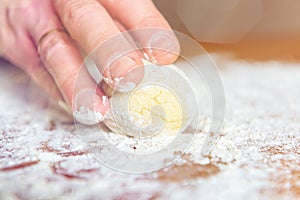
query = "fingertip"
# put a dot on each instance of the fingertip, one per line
(90, 106)
(165, 58)
(163, 47)
(131, 79)
(124, 74)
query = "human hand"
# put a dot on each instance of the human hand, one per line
(32, 38)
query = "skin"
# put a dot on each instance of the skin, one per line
(54, 60)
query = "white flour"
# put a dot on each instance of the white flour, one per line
(258, 155)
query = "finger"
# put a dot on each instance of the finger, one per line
(91, 25)
(161, 43)
(44, 80)
(106, 87)
(63, 60)
(28, 59)
(39, 74)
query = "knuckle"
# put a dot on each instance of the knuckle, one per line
(77, 14)
(96, 38)
(148, 20)
(52, 42)
(75, 11)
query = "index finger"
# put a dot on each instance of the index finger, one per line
(90, 25)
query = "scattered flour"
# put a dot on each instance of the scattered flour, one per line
(257, 155)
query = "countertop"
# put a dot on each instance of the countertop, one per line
(256, 157)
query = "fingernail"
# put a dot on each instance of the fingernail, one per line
(125, 87)
(88, 107)
(87, 116)
(121, 66)
(125, 73)
(131, 80)
(162, 43)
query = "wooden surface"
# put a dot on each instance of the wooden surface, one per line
(257, 156)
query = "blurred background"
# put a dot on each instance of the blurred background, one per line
(247, 29)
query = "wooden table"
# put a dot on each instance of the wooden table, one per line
(257, 156)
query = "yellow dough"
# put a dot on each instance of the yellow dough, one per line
(147, 97)
(162, 105)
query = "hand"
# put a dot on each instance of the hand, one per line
(31, 37)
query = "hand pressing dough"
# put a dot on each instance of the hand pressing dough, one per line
(163, 103)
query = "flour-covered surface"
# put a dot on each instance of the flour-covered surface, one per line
(257, 156)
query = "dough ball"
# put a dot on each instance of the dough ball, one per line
(147, 97)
